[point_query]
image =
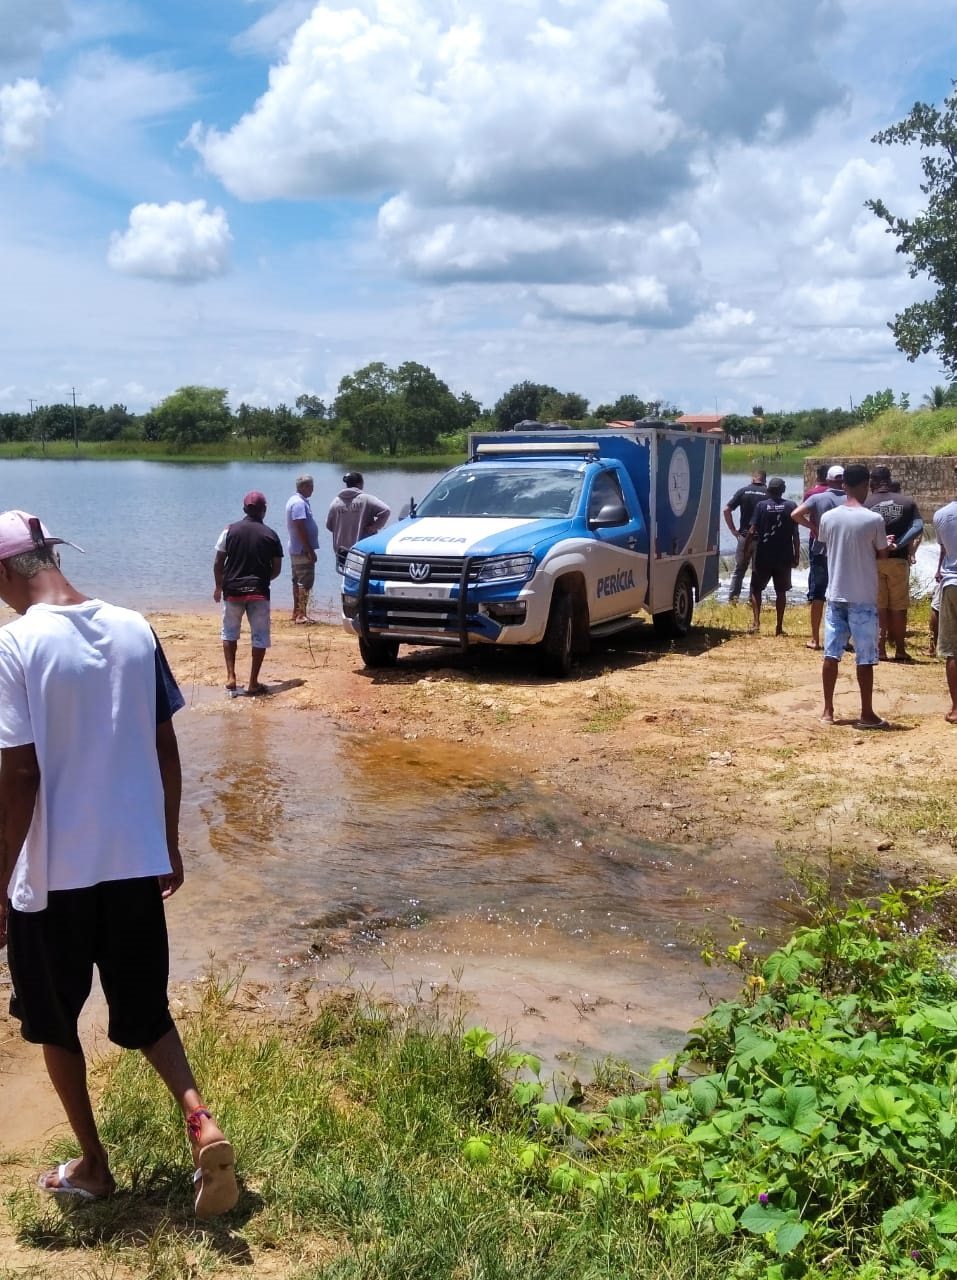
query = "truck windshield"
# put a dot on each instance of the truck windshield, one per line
(520, 493)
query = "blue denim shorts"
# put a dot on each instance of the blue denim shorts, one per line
(257, 611)
(857, 622)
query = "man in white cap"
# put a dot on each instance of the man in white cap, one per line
(809, 515)
(89, 846)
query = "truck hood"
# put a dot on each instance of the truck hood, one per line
(461, 536)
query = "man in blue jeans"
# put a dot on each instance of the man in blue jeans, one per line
(855, 540)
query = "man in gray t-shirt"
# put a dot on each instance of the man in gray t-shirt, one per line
(945, 526)
(854, 539)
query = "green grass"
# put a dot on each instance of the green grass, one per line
(350, 1134)
(805, 1131)
(775, 459)
(895, 432)
(608, 709)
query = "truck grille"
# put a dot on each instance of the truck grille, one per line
(441, 568)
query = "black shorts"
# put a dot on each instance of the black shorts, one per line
(119, 926)
(762, 574)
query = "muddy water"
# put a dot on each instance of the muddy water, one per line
(430, 873)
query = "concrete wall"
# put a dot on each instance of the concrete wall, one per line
(930, 481)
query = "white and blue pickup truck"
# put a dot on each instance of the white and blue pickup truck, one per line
(544, 537)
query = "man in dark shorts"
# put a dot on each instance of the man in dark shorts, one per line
(89, 803)
(777, 549)
(248, 557)
(743, 500)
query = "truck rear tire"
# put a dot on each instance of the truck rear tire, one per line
(558, 644)
(676, 621)
(378, 653)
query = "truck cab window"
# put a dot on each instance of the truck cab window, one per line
(605, 491)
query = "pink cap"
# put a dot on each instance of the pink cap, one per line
(21, 532)
(254, 499)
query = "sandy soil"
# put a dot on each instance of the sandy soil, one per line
(716, 741)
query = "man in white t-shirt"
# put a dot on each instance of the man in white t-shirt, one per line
(945, 526)
(89, 846)
(855, 540)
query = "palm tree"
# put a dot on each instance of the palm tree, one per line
(937, 397)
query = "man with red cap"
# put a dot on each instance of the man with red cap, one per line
(248, 557)
(90, 786)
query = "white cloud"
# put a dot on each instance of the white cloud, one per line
(178, 242)
(26, 109)
(723, 321)
(746, 367)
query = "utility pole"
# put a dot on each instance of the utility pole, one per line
(76, 442)
(43, 443)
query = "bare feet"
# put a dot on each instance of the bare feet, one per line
(951, 716)
(231, 686)
(812, 644)
(826, 717)
(254, 690)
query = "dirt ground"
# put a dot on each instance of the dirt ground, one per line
(715, 740)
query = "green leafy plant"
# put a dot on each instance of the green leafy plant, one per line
(814, 1116)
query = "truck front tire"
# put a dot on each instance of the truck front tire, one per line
(558, 644)
(378, 653)
(676, 621)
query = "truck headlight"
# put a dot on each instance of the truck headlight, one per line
(507, 569)
(353, 565)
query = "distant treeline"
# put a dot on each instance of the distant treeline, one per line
(393, 411)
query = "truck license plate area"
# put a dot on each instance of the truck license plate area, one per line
(416, 591)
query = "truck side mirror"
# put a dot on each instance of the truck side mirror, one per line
(611, 514)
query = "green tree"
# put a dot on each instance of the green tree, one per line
(286, 430)
(928, 240)
(627, 408)
(428, 406)
(469, 411)
(96, 423)
(520, 402)
(563, 406)
(310, 406)
(193, 415)
(874, 403)
(941, 396)
(369, 409)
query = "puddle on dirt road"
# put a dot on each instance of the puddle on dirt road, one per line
(428, 872)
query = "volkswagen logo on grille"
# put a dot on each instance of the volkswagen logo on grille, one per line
(419, 570)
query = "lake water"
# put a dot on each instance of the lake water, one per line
(149, 528)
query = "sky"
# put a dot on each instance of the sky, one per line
(658, 197)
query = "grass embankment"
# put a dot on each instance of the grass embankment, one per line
(895, 433)
(806, 1131)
